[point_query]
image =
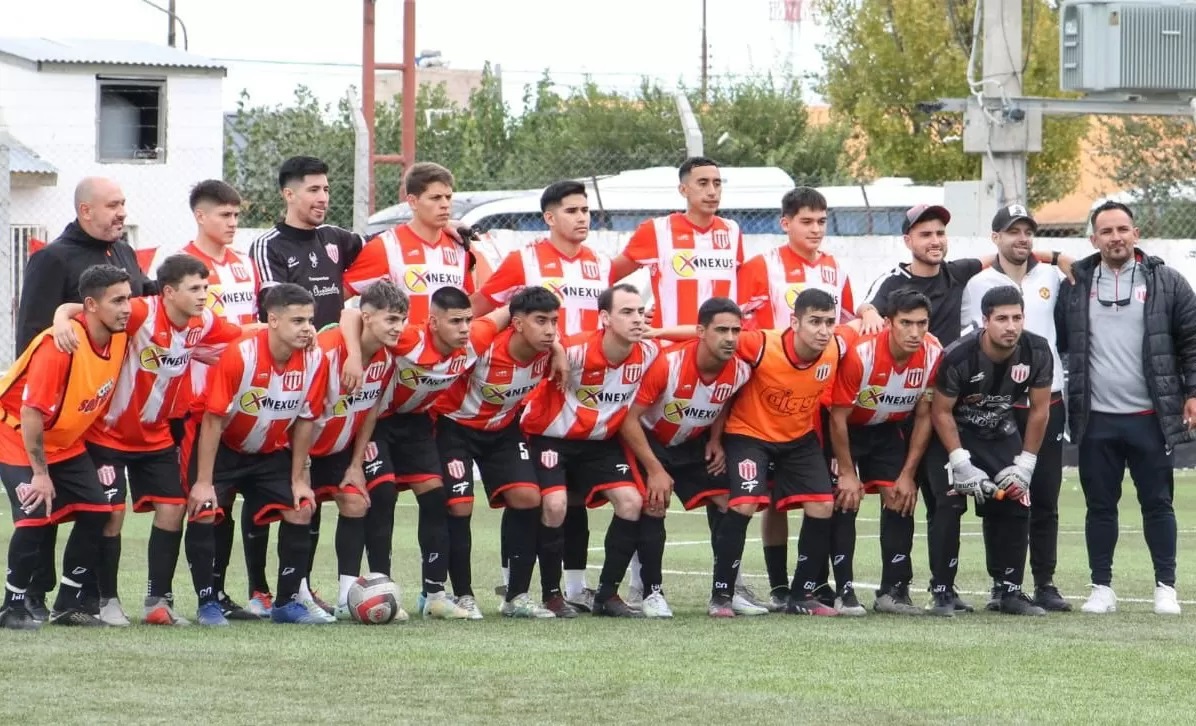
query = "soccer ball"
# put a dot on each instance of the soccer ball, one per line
(373, 599)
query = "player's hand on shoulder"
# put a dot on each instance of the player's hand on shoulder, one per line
(64, 335)
(871, 322)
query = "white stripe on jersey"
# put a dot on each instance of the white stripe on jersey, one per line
(257, 250)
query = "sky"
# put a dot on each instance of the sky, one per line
(270, 46)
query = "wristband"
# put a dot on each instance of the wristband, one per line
(959, 456)
(1026, 460)
(1055, 258)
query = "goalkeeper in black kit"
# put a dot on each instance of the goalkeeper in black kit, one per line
(981, 453)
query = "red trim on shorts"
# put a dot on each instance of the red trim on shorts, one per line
(66, 514)
(552, 490)
(266, 515)
(146, 504)
(795, 501)
(384, 479)
(592, 499)
(703, 497)
(496, 500)
(414, 478)
(458, 500)
(874, 486)
(328, 492)
(216, 515)
(761, 502)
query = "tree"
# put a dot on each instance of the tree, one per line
(886, 57)
(1155, 159)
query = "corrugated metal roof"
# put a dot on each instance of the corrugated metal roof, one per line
(103, 52)
(23, 160)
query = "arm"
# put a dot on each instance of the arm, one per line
(716, 457)
(849, 489)
(1183, 332)
(501, 317)
(622, 266)
(64, 333)
(40, 489)
(902, 497)
(203, 493)
(660, 484)
(352, 369)
(678, 333)
(301, 440)
(271, 268)
(942, 417)
(1036, 422)
(481, 304)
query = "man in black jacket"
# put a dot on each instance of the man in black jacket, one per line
(52, 278)
(1129, 327)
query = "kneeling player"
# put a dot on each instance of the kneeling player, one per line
(263, 398)
(680, 403)
(477, 422)
(980, 378)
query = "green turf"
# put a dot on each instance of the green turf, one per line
(1130, 667)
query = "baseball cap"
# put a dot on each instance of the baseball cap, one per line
(1006, 216)
(923, 212)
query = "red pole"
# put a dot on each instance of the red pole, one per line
(368, 69)
(367, 85)
(409, 86)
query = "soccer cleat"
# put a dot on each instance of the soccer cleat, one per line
(778, 599)
(655, 606)
(635, 598)
(298, 612)
(524, 607)
(825, 594)
(112, 613)
(401, 616)
(896, 601)
(720, 607)
(748, 594)
(848, 604)
(469, 604)
(18, 617)
(584, 601)
(942, 605)
(317, 611)
(1102, 600)
(342, 612)
(994, 598)
(961, 605)
(211, 615)
(809, 606)
(743, 605)
(160, 611)
(36, 602)
(260, 604)
(1165, 600)
(437, 605)
(614, 607)
(1019, 603)
(77, 618)
(233, 611)
(560, 608)
(1048, 598)
(326, 607)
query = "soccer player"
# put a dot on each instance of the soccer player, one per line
(254, 436)
(773, 423)
(1013, 232)
(477, 421)
(573, 440)
(883, 379)
(48, 400)
(981, 453)
(674, 430)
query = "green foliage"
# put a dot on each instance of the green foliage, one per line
(1155, 157)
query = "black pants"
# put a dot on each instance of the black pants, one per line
(1111, 443)
(1044, 493)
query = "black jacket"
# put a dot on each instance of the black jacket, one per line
(52, 277)
(1168, 350)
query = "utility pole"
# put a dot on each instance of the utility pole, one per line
(170, 17)
(1004, 172)
(705, 56)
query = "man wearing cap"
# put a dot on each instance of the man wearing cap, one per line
(1013, 234)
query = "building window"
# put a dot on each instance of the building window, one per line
(131, 120)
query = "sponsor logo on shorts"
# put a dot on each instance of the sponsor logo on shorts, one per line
(747, 469)
(623, 468)
(549, 458)
(1019, 373)
(456, 468)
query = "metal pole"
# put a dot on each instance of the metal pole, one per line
(361, 165)
(367, 93)
(1003, 174)
(705, 56)
(409, 86)
(170, 30)
(7, 287)
(689, 126)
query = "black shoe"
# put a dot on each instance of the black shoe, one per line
(76, 617)
(994, 598)
(778, 598)
(810, 606)
(895, 600)
(558, 606)
(1019, 604)
(233, 611)
(36, 602)
(961, 605)
(1048, 598)
(825, 594)
(942, 604)
(18, 617)
(614, 607)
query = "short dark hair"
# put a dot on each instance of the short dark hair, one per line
(1000, 296)
(284, 295)
(556, 192)
(297, 168)
(174, 268)
(692, 163)
(450, 298)
(607, 299)
(802, 198)
(812, 299)
(385, 295)
(214, 191)
(905, 300)
(534, 299)
(98, 278)
(716, 306)
(1108, 207)
(424, 174)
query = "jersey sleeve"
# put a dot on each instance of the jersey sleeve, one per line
(848, 379)
(1044, 364)
(751, 289)
(138, 312)
(847, 304)
(222, 332)
(751, 347)
(642, 245)
(653, 383)
(224, 379)
(313, 405)
(507, 280)
(351, 245)
(482, 333)
(408, 339)
(269, 265)
(966, 269)
(48, 370)
(369, 266)
(948, 380)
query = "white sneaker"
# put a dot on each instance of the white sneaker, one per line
(1165, 600)
(635, 598)
(316, 611)
(655, 606)
(523, 606)
(112, 614)
(1104, 600)
(438, 606)
(743, 606)
(470, 605)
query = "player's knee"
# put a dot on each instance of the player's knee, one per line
(552, 509)
(719, 501)
(818, 510)
(428, 485)
(352, 505)
(626, 501)
(746, 510)
(116, 520)
(169, 517)
(522, 498)
(302, 515)
(460, 509)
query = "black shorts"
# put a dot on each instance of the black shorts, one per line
(878, 452)
(989, 455)
(152, 476)
(77, 489)
(584, 467)
(502, 456)
(686, 464)
(801, 471)
(408, 443)
(327, 472)
(263, 480)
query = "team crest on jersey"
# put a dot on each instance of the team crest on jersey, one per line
(374, 372)
(539, 366)
(1140, 293)
(632, 373)
(549, 458)
(334, 252)
(457, 365)
(1019, 373)
(193, 336)
(240, 274)
(720, 393)
(589, 270)
(721, 239)
(292, 380)
(914, 376)
(747, 470)
(107, 475)
(822, 372)
(830, 275)
(449, 255)
(371, 451)
(1044, 293)
(456, 469)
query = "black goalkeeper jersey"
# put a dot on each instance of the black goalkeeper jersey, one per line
(314, 259)
(985, 391)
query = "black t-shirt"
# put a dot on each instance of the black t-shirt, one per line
(945, 291)
(985, 391)
(315, 259)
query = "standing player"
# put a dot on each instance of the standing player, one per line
(478, 422)
(883, 379)
(980, 377)
(48, 399)
(674, 430)
(573, 440)
(258, 417)
(1013, 234)
(772, 423)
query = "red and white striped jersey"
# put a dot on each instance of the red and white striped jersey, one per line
(490, 396)
(419, 268)
(260, 400)
(343, 414)
(577, 281)
(688, 265)
(598, 394)
(422, 373)
(679, 403)
(875, 387)
(232, 285)
(769, 283)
